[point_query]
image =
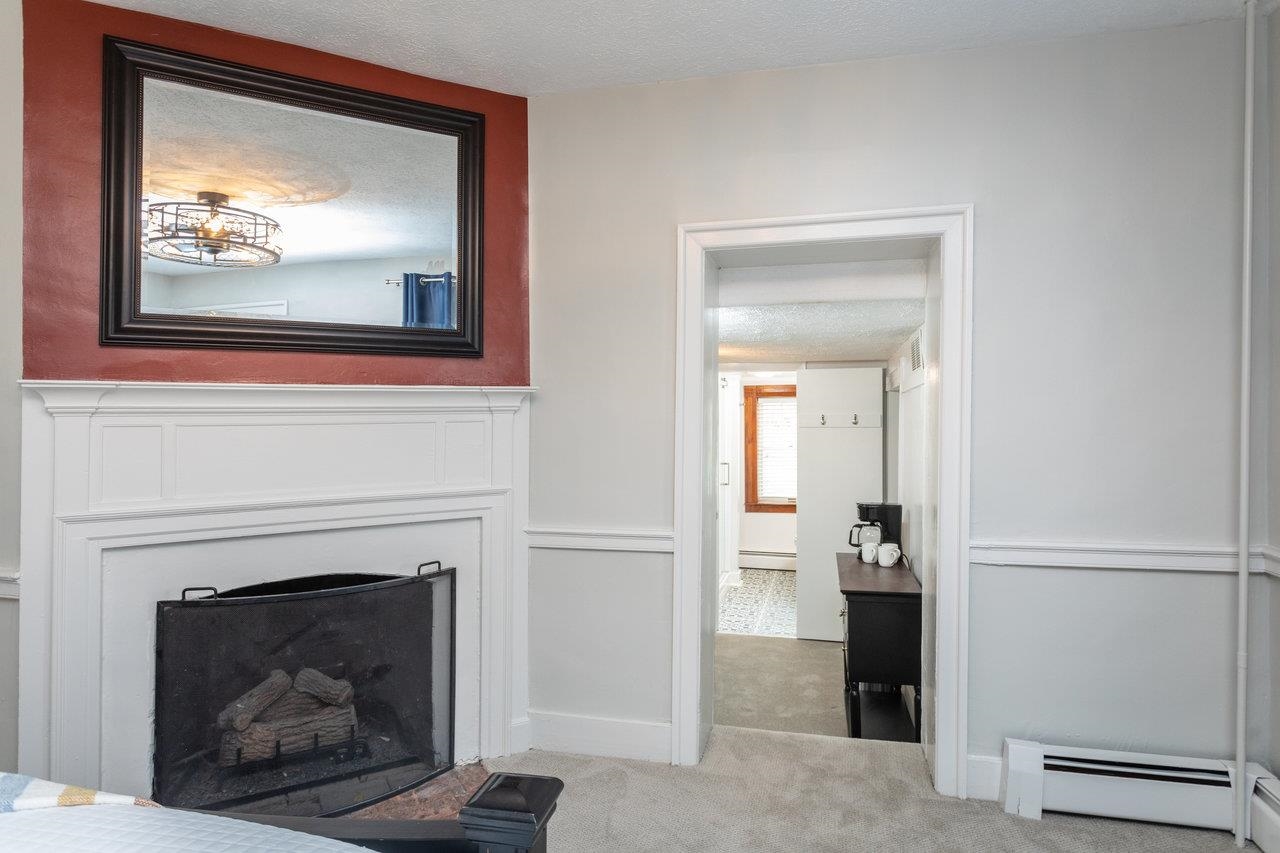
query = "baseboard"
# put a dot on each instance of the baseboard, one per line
(759, 560)
(521, 737)
(984, 777)
(607, 736)
(728, 580)
(1264, 817)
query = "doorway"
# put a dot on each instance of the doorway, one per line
(698, 540)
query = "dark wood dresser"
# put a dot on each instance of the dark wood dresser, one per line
(881, 631)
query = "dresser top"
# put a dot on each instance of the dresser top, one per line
(859, 578)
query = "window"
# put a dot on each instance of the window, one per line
(769, 415)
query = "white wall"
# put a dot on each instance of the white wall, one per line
(355, 290)
(1052, 621)
(1266, 433)
(600, 682)
(1265, 683)
(10, 276)
(911, 450)
(774, 532)
(892, 428)
(1104, 173)
(10, 358)
(8, 685)
(822, 282)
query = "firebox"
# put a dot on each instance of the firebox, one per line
(310, 696)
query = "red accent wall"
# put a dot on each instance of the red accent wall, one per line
(62, 188)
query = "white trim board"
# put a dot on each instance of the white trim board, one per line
(10, 586)
(1110, 555)
(984, 776)
(952, 226)
(607, 736)
(578, 539)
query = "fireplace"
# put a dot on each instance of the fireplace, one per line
(309, 696)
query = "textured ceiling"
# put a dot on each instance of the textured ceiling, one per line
(560, 45)
(340, 187)
(861, 330)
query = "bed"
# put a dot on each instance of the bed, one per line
(508, 814)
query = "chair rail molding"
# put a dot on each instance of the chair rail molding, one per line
(635, 540)
(133, 490)
(1159, 557)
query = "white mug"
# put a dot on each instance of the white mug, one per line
(869, 551)
(889, 554)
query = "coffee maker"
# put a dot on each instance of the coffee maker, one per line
(887, 516)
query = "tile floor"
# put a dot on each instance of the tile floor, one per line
(763, 606)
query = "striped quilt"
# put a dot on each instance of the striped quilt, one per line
(21, 793)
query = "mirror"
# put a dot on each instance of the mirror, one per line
(249, 209)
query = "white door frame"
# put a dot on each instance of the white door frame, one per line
(953, 225)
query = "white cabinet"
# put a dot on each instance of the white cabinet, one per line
(840, 464)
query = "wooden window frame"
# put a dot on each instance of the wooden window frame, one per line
(751, 394)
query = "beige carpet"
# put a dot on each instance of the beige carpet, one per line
(780, 684)
(771, 791)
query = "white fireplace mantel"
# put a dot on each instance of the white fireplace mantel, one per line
(132, 490)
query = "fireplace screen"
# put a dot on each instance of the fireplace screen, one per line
(310, 696)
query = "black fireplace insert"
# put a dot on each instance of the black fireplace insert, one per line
(312, 696)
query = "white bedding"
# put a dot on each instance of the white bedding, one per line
(135, 829)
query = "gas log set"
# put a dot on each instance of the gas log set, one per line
(308, 696)
(287, 715)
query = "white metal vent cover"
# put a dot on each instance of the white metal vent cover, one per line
(917, 361)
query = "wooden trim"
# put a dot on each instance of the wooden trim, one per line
(750, 394)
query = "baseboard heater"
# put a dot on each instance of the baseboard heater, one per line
(1041, 777)
(1264, 815)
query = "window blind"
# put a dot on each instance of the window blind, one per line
(776, 449)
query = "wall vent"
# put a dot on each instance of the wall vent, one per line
(917, 361)
(1130, 785)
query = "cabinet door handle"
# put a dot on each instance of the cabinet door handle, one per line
(822, 419)
(855, 420)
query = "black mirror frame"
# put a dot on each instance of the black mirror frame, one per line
(126, 65)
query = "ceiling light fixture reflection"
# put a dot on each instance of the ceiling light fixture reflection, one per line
(210, 233)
